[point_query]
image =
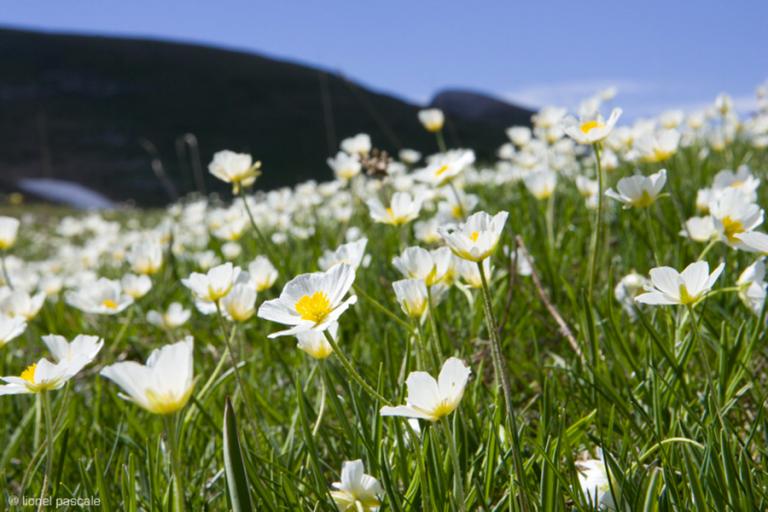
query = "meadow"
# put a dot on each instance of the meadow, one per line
(579, 325)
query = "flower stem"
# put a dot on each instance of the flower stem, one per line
(440, 141)
(171, 434)
(652, 236)
(597, 236)
(46, 401)
(265, 242)
(457, 474)
(501, 378)
(351, 370)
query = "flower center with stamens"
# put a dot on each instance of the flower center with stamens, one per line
(315, 307)
(109, 303)
(473, 236)
(588, 126)
(29, 374)
(441, 170)
(731, 228)
(685, 297)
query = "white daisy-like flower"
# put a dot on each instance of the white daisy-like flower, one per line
(477, 238)
(102, 297)
(311, 301)
(639, 191)
(164, 384)
(431, 399)
(668, 286)
(357, 491)
(591, 130)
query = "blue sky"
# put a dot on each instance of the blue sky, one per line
(660, 54)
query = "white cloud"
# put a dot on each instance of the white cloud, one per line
(638, 99)
(569, 94)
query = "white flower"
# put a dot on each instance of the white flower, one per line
(444, 167)
(541, 183)
(357, 492)
(345, 166)
(742, 180)
(595, 485)
(174, 316)
(432, 119)
(418, 263)
(45, 375)
(629, 287)
(754, 241)
(431, 399)
(263, 274)
(700, 229)
(136, 286)
(214, 285)
(519, 135)
(403, 209)
(102, 297)
(409, 156)
(655, 146)
(639, 191)
(231, 250)
(412, 296)
(146, 258)
(752, 286)
(360, 144)
(314, 342)
(311, 301)
(20, 303)
(240, 303)
(592, 130)
(733, 215)
(685, 288)
(11, 327)
(352, 254)
(9, 228)
(476, 238)
(470, 274)
(235, 168)
(82, 346)
(164, 384)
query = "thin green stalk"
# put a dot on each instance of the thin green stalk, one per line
(708, 247)
(171, 434)
(501, 378)
(457, 474)
(440, 141)
(380, 307)
(49, 437)
(265, 242)
(652, 236)
(597, 233)
(321, 407)
(351, 370)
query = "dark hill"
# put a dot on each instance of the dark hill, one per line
(92, 109)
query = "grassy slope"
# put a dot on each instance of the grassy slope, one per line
(679, 435)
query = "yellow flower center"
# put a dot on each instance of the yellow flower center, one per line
(588, 126)
(440, 171)
(444, 408)
(644, 200)
(685, 297)
(166, 403)
(109, 303)
(29, 374)
(315, 307)
(457, 212)
(731, 228)
(474, 236)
